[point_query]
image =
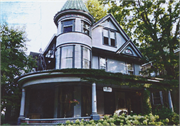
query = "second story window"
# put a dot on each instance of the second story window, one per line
(102, 63)
(130, 68)
(67, 57)
(109, 38)
(86, 58)
(67, 26)
(85, 27)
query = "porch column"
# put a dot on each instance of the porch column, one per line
(94, 114)
(56, 103)
(170, 101)
(21, 116)
(22, 103)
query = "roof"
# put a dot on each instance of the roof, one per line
(74, 4)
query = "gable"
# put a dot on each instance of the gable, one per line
(129, 49)
(108, 24)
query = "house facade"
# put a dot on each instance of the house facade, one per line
(49, 95)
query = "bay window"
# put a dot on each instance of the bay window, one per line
(67, 57)
(67, 26)
(85, 27)
(85, 58)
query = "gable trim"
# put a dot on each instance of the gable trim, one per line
(133, 47)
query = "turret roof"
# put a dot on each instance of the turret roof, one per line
(74, 4)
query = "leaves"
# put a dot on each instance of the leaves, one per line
(154, 25)
(14, 63)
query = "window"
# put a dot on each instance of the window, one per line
(109, 37)
(157, 98)
(85, 27)
(86, 58)
(67, 57)
(130, 69)
(128, 51)
(102, 64)
(67, 26)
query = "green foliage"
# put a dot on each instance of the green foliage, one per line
(153, 25)
(14, 63)
(167, 114)
(123, 119)
(146, 102)
(96, 9)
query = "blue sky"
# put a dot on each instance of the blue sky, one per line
(35, 16)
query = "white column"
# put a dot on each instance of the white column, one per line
(170, 101)
(94, 102)
(22, 103)
(56, 103)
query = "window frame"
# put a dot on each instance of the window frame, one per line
(127, 71)
(82, 57)
(109, 37)
(73, 56)
(73, 25)
(99, 58)
(83, 27)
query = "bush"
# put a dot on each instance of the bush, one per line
(129, 120)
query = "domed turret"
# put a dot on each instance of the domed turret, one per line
(73, 43)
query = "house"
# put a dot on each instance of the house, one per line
(50, 95)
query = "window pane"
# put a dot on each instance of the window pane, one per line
(86, 58)
(105, 33)
(66, 23)
(129, 67)
(112, 35)
(112, 42)
(106, 41)
(67, 29)
(102, 63)
(86, 64)
(67, 57)
(67, 51)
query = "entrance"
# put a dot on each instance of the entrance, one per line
(109, 103)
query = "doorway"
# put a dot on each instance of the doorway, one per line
(109, 103)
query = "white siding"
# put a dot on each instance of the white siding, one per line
(73, 37)
(115, 66)
(95, 62)
(108, 24)
(137, 69)
(77, 56)
(120, 40)
(78, 25)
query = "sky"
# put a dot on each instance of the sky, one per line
(35, 17)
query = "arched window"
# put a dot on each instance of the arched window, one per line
(128, 51)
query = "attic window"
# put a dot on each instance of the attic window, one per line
(128, 51)
(67, 26)
(109, 38)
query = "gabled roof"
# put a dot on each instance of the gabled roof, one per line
(74, 4)
(122, 32)
(116, 24)
(129, 43)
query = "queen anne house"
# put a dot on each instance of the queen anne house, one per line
(48, 93)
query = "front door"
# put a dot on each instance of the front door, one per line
(109, 103)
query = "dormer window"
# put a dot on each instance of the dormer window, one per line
(109, 37)
(67, 26)
(85, 27)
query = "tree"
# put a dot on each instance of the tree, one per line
(14, 63)
(153, 25)
(96, 9)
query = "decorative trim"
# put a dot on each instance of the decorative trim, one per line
(74, 32)
(71, 44)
